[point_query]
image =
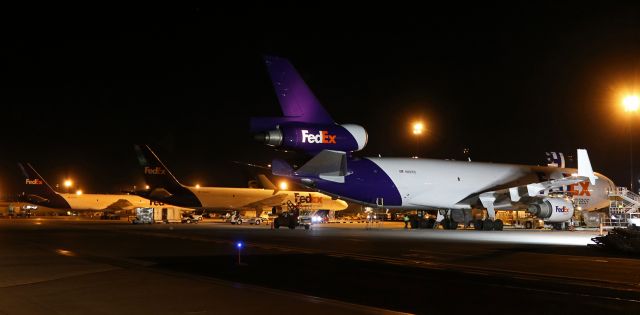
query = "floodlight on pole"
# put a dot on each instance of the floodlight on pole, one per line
(631, 105)
(418, 130)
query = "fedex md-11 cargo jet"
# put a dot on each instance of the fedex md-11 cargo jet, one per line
(407, 183)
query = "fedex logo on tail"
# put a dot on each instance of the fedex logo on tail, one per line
(154, 171)
(33, 181)
(562, 209)
(322, 136)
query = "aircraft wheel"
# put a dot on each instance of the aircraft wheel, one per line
(528, 225)
(306, 226)
(477, 225)
(453, 225)
(487, 225)
(276, 224)
(498, 225)
(258, 222)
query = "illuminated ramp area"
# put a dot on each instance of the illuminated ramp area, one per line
(53, 266)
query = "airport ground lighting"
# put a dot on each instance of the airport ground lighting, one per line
(283, 185)
(631, 104)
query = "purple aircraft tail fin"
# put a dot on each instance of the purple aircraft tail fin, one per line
(297, 101)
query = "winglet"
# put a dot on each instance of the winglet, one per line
(266, 183)
(584, 166)
(281, 168)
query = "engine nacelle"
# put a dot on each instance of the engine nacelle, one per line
(552, 210)
(312, 138)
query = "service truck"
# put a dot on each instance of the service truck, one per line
(158, 215)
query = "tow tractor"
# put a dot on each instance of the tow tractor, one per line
(292, 218)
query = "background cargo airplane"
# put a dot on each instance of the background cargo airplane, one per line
(164, 187)
(454, 186)
(38, 192)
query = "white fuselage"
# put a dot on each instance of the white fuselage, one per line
(106, 201)
(244, 198)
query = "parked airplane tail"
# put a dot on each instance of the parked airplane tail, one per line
(555, 159)
(306, 126)
(37, 191)
(155, 173)
(297, 101)
(163, 186)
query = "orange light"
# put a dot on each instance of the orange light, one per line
(418, 127)
(631, 103)
(283, 185)
(79, 192)
(197, 186)
(68, 183)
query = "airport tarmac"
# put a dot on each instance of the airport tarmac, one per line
(76, 266)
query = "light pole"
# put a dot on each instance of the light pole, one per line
(631, 104)
(418, 128)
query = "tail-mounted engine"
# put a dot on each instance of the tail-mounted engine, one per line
(311, 138)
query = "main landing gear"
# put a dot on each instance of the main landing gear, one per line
(449, 220)
(488, 225)
(449, 224)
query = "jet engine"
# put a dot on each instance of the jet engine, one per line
(552, 210)
(312, 138)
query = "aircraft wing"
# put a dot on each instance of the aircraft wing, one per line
(514, 194)
(274, 200)
(541, 189)
(121, 204)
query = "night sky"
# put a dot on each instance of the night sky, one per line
(81, 86)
